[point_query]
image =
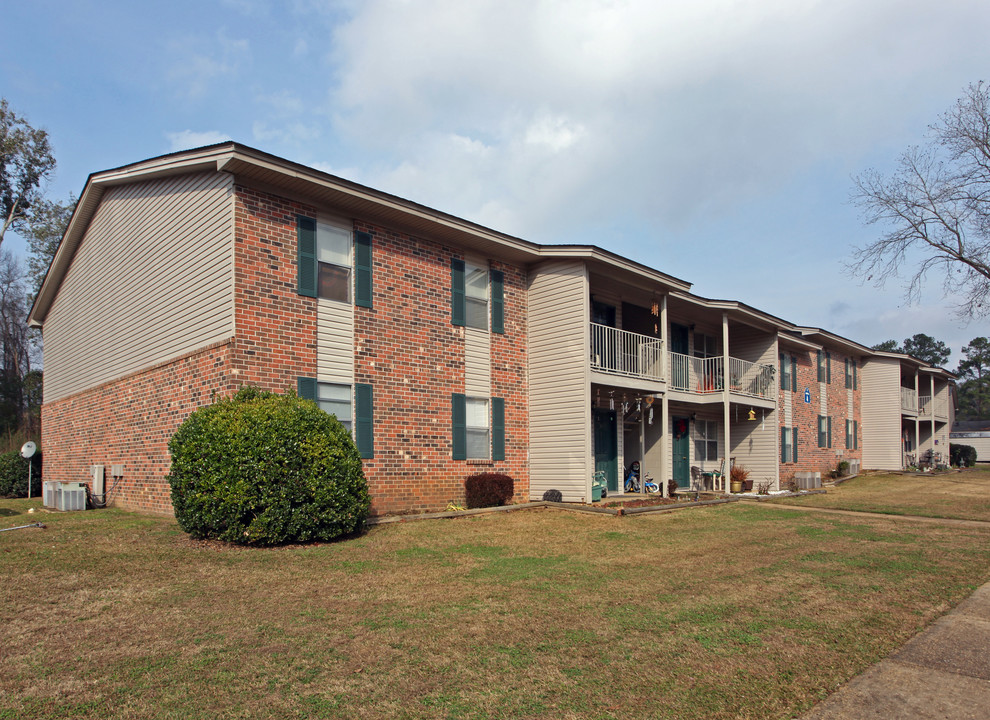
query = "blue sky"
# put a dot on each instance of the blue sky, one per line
(715, 141)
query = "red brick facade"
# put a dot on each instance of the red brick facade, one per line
(804, 416)
(129, 421)
(405, 347)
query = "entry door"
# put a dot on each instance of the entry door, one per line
(680, 364)
(606, 447)
(681, 448)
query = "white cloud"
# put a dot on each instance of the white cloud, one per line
(202, 60)
(186, 139)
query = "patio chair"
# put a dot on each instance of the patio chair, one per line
(717, 476)
(695, 476)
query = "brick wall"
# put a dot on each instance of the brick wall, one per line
(129, 421)
(805, 415)
(408, 350)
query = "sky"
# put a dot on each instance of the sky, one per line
(716, 141)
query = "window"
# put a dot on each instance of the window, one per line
(705, 346)
(326, 257)
(478, 427)
(352, 406)
(476, 418)
(706, 440)
(786, 370)
(335, 400)
(850, 374)
(333, 255)
(788, 444)
(824, 431)
(476, 296)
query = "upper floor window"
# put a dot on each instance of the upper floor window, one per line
(333, 253)
(476, 296)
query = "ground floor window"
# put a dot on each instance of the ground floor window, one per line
(476, 425)
(336, 400)
(706, 440)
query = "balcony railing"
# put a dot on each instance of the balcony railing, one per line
(619, 352)
(926, 406)
(909, 400)
(704, 376)
(752, 379)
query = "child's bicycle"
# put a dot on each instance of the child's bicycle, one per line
(649, 486)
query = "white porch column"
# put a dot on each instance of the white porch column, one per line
(725, 401)
(665, 449)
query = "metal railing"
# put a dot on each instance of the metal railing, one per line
(620, 352)
(691, 374)
(924, 404)
(748, 378)
(909, 400)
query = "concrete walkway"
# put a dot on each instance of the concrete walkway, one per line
(942, 673)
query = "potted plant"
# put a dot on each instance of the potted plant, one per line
(737, 476)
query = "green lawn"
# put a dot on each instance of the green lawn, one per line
(733, 611)
(962, 495)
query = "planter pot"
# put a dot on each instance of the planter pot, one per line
(747, 485)
(736, 486)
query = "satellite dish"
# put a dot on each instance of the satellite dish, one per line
(28, 449)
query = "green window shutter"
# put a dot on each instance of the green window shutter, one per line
(458, 417)
(855, 434)
(306, 241)
(458, 312)
(820, 366)
(793, 373)
(828, 367)
(829, 421)
(498, 301)
(848, 436)
(783, 445)
(855, 379)
(362, 270)
(783, 371)
(306, 388)
(848, 375)
(364, 420)
(794, 434)
(498, 428)
(821, 431)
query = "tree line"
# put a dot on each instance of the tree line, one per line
(27, 163)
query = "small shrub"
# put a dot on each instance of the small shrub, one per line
(764, 487)
(14, 475)
(842, 469)
(671, 487)
(553, 496)
(266, 469)
(962, 455)
(791, 483)
(488, 490)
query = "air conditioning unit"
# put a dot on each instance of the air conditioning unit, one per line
(48, 492)
(70, 496)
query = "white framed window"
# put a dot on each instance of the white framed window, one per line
(476, 296)
(334, 250)
(706, 440)
(336, 400)
(478, 428)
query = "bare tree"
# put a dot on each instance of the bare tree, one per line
(935, 209)
(26, 160)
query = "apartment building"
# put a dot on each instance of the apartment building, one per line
(446, 347)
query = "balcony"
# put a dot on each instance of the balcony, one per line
(619, 352)
(704, 376)
(909, 400)
(926, 407)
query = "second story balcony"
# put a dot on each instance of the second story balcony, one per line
(927, 407)
(705, 376)
(619, 352)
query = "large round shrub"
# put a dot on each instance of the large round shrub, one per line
(266, 469)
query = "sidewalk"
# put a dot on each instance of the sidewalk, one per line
(942, 673)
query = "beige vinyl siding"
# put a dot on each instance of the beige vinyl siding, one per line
(152, 280)
(559, 389)
(881, 410)
(335, 342)
(753, 345)
(755, 445)
(477, 362)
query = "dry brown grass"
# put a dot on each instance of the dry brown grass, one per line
(964, 495)
(723, 612)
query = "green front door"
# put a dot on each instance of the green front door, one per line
(681, 448)
(606, 447)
